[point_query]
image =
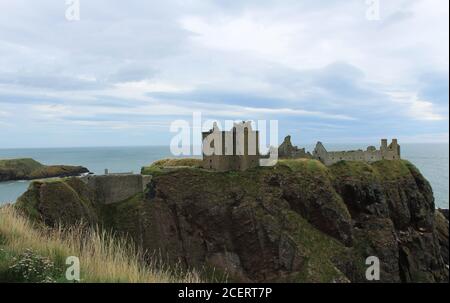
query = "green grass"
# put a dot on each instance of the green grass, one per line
(122, 215)
(178, 162)
(25, 163)
(151, 170)
(28, 203)
(29, 169)
(393, 170)
(354, 170)
(304, 166)
(387, 170)
(21, 167)
(318, 250)
(166, 165)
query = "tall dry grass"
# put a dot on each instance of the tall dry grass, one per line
(103, 257)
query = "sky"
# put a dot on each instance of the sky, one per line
(337, 71)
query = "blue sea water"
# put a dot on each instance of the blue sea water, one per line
(431, 159)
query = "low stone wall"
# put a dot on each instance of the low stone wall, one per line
(115, 188)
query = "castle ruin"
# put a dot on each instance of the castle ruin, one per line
(236, 149)
(288, 151)
(371, 154)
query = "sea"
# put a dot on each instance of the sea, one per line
(431, 159)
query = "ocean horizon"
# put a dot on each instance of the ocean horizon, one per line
(432, 159)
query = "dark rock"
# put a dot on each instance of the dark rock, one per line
(442, 230)
(444, 212)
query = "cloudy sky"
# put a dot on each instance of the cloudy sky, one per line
(127, 69)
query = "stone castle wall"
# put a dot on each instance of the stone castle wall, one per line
(391, 152)
(288, 151)
(226, 145)
(115, 188)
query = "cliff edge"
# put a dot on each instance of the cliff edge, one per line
(296, 222)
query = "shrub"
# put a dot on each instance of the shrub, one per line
(31, 267)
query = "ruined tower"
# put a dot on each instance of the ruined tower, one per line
(236, 149)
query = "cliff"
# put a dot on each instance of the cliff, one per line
(298, 221)
(29, 169)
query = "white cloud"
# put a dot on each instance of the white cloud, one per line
(4, 113)
(292, 112)
(243, 34)
(138, 89)
(416, 108)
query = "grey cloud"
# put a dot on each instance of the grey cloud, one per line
(132, 72)
(54, 82)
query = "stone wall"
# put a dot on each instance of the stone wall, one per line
(115, 188)
(288, 151)
(237, 149)
(371, 154)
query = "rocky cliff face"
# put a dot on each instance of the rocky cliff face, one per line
(298, 221)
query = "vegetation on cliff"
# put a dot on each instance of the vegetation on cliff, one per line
(165, 165)
(29, 169)
(298, 221)
(33, 253)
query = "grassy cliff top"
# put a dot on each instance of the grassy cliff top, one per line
(304, 165)
(161, 165)
(178, 162)
(385, 169)
(28, 169)
(25, 165)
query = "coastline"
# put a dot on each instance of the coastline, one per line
(432, 161)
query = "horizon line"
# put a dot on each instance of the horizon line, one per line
(168, 146)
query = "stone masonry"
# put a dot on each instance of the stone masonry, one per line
(288, 151)
(236, 149)
(114, 188)
(371, 154)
